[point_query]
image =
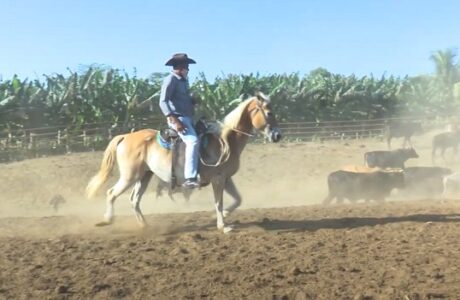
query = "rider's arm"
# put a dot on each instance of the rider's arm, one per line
(166, 94)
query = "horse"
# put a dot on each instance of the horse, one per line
(139, 156)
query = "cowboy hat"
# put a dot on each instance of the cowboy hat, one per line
(179, 59)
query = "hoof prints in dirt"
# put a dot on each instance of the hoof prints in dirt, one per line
(398, 250)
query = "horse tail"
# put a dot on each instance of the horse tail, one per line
(108, 161)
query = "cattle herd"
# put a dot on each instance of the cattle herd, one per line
(385, 170)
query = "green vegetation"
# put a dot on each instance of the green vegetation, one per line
(104, 95)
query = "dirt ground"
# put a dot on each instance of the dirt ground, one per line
(285, 245)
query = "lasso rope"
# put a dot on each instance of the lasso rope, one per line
(223, 157)
(224, 146)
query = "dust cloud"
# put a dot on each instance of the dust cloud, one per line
(271, 175)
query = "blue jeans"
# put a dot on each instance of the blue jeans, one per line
(190, 138)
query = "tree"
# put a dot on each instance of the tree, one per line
(446, 75)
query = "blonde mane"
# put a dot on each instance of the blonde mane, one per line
(232, 120)
(230, 124)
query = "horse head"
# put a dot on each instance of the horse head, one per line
(263, 119)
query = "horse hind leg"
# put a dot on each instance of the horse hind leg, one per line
(187, 193)
(231, 189)
(158, 189)
(112, 194)
(136, 196)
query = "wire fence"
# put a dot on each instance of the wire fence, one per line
(46, 141)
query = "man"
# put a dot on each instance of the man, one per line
(177, 105)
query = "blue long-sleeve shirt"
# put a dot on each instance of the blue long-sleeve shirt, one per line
(175, 97)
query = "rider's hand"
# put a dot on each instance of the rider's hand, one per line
(177, 123)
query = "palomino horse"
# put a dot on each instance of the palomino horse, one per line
(139, 156)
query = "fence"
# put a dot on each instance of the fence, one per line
(44, 141)
(37, 142)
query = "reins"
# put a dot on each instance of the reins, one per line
(234, 129)
(255, 109)
(225, 148)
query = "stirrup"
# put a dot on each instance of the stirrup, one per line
(191, 184)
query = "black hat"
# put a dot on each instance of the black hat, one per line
(180, 59)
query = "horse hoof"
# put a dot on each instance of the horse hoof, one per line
(103, 223)
(228, 229)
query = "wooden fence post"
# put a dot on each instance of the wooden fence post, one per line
(85, 140)
(67, 145)
(31, 144)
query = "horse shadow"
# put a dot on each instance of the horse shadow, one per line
(328, 223)
(348, 222)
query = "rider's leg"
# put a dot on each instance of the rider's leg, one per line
(190, 138)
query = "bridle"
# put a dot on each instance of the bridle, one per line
(225, 152)
(258, 108)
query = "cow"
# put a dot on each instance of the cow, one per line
(353, 186)
(389, 159)
(424, 181)
(443, 141)
(396, 129)
(451, 184)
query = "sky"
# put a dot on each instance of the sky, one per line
(379, 37)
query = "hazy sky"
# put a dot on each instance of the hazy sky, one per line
(234, 36)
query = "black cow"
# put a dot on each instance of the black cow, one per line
(424, 181)
(369, 186)
(389, 159)
(443, 141)
(396, 129)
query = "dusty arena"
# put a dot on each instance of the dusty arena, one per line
(286, 244)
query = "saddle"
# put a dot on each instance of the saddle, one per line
(168, 138)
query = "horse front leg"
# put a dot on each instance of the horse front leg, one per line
(231, 189)
(218, 188)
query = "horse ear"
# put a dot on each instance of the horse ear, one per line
(261, 96)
